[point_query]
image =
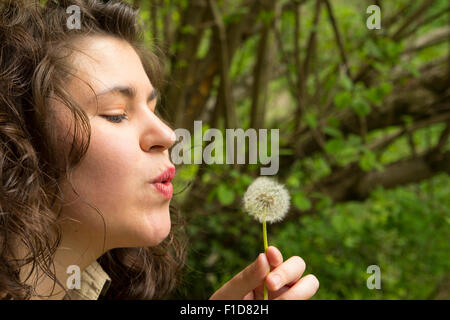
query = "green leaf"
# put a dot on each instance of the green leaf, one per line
(145, 15)
(187, 29)
(408, 120)
(343, 100)
(333, 146)
(236, 16)
(382, 68)
(332, 132)
(246, 179)
(311, 120)
(206, 177)
(367, 161)
(386, 88)
(334, 122)
(234, 173)
(181, 64)
(204, 45)
(285, 151)
(360, 106)
(413, 69)
(374, 95)
(176, 15)
(393, 49)
(373, 49)
(293, 181)
(346, 82)
(187, 172)
(301, 201)
(225, 195)
(266, 16)
(183, 4)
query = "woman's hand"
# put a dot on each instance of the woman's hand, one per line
(249, 283)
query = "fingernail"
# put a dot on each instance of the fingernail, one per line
(275, 280)
(263, 256)
(256, 263)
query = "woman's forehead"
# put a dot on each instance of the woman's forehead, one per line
(106, 62)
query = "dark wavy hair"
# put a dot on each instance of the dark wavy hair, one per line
(35, 64)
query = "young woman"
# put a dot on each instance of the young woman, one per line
(81, 146)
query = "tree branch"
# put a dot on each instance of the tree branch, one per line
(207, 68)
(182, 72)
(261, 73)
(425, 21)
(303, 77)
(402, 172)
(168, 29)
(402, 101)
(225, 87)
(384, 142)
(284, 55)
(413, 17)
(351, 183)
(311, 40)
(300, 88)
(444, 136)
(432, 38)
(338, 37)
(389, 21)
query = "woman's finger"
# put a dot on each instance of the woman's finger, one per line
(258, 293)
(249, 296)
(274, 256)
(245, 281)
(304, 289)
(289, 271)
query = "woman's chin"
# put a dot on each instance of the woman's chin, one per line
(152, 229)
(158, 228)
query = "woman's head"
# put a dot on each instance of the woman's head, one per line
(128, 147)
(81, 141)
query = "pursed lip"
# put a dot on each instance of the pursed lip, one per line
(166, 176)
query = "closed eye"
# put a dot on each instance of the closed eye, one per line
(115, 118)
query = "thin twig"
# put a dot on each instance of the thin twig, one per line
(424, 22)
(413, 17)
(389, 21)
(284, 57)
(311, 40)
(337, 35)
(300, 89)
(230, 117)
(444, 136)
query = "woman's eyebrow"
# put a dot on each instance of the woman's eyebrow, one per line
(128, 92)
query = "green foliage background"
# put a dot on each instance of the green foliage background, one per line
(405, 230)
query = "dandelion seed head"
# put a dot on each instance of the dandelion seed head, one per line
(266, 200)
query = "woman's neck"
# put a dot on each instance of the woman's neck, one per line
(76, 249)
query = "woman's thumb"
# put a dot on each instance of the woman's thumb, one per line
(245, 281)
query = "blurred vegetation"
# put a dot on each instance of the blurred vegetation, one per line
(364, 119)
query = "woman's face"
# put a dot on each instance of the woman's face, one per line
(125, 153)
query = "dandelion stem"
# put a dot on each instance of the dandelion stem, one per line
(265, 236)
(265, 251)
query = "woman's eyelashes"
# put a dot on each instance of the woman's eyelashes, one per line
(116, 118)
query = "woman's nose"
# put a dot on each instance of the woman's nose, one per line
(158, 135)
